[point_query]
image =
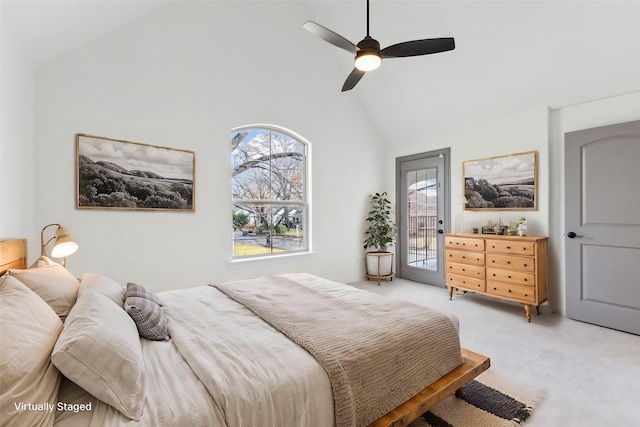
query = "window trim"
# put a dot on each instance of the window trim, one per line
(307, 219)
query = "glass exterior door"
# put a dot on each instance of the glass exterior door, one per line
(421, 223)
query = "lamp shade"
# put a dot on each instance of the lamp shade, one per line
(64, 246)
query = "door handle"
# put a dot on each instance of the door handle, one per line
(572, 235)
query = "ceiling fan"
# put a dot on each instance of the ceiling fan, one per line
(368, 53)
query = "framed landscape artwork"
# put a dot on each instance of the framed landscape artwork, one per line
(502, 183)
(116, 174)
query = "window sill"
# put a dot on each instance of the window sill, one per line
(268, 260)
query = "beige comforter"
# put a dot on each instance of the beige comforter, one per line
(377, 352)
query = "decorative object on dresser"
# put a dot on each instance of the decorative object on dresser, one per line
(513, 268)
(380, 234)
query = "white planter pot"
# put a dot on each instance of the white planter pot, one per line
(379, 265)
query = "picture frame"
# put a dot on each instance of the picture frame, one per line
(118, 174)
(508, 182)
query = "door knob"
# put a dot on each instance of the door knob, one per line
(441, 231)
(572, 235)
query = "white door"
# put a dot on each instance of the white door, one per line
(602, 226)
(422, 212)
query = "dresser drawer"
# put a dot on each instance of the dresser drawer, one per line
(476, 271)
(454, 242)
(464, 282)
(514, 247)
(511, 291)
(512, 262)
(463, 257)
(511, 276)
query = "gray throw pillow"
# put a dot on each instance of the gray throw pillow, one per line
(148, 317)
(135, 290)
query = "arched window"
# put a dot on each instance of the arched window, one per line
(269, 191)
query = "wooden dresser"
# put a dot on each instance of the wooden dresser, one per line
(513, 268)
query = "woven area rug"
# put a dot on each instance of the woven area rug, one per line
(490, 401)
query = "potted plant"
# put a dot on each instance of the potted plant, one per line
(380, 234)
(522, 226)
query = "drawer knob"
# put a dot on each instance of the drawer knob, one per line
(526, 295)
(509, 290)
(509, 276)
(525, 265)
(508, 262)
(508, 247)
(495, 289)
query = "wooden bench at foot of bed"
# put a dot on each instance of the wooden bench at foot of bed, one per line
(474, 364)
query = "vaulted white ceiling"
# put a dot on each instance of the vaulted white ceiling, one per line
(510, 56)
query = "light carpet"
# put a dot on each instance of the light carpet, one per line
(490, 401)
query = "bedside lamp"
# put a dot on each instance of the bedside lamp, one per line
(63, 245)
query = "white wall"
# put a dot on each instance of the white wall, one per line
(183, 78)
(16, 140)
(617, 109)
(516, 133)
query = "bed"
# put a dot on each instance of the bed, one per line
(242, 353)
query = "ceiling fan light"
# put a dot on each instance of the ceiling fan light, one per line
(367, 61)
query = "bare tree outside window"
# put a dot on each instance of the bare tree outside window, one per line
(269, 194)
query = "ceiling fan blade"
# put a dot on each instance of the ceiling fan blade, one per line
(418, 47)
(352, 80)
(329, 36)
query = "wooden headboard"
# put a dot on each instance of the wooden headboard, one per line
(13, 254)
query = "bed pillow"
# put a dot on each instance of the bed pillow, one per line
(29, 331)
(52, 282)
(99, 349)
(148, 317)
(103, 285)
(135, 290)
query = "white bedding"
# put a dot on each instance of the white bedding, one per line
(223, 366)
